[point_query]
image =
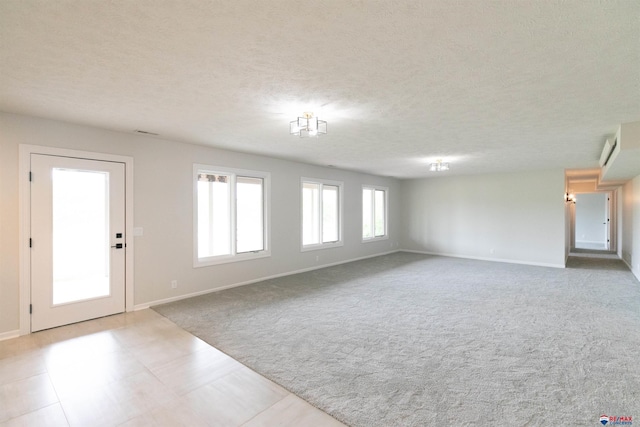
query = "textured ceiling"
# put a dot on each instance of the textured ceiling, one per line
(490, 86)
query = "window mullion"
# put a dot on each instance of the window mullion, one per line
(211, 231)
(373, 213)
(320, 214)
(232, 214)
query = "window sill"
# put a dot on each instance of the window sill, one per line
(226, 259)
(375, 239)
(321, 246)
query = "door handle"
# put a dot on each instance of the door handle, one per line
(118, 246)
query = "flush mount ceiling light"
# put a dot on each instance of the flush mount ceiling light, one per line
(438, 166)
(307, 125)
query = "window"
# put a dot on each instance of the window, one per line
(230, 209)
(374, 213)
(321, 214)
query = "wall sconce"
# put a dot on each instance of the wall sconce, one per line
(570, 198)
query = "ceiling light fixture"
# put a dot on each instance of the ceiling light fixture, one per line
(438, 166)
(307, 125)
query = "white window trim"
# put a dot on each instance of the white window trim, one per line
(224, 259)
(386, 214)
(340, 241)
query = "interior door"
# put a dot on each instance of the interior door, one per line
(77, 240)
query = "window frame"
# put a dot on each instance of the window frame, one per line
(375, 188)
(266, 218)
(321, 245)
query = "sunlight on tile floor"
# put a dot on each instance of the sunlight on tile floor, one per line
(137, 369)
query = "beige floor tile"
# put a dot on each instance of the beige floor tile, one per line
(86, 375)
(137, 334)
(293, 412)
(64, 333)
(135, 369)
(191, 371)
(141, 316)
(235, 398)
(170, 346)
(78, 350)
(117, 401)
(18, 346)
(26, 395)
(51, 416)
(22, 366)
(170, 416)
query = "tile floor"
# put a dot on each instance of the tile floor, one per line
(137, 369)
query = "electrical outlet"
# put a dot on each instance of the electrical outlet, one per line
(174, 284)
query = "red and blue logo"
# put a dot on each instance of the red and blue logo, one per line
(615, 420)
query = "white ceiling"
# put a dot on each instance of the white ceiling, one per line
(490, 86)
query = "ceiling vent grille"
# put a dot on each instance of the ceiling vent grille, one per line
(144, 132)
(607, 151)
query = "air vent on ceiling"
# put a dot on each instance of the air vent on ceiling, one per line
(144, 132)
(607, 151)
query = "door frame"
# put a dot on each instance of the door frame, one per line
(24, 221)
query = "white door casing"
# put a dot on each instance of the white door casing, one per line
(120, 172)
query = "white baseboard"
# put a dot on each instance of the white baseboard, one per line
(631, 269)
(509, 261)
(9, 334)
(248, 282)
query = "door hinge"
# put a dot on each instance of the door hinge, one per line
(30, 176)
(30, 308)
(30, 242)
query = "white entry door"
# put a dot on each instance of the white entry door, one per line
(77, 240)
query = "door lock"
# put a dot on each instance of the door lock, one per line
(118, 246)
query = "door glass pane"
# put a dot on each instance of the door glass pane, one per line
(310, 213)
(379, 213)
(81, 245)
(367, 214)
(214, 215)
(249, 215)
(329, 213)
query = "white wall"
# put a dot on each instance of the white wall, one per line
(635, 230)
(627, 222)
(163, 207)
(631, 225)
(518, 217)
(591, 227)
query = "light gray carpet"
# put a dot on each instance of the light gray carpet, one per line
(413, 340)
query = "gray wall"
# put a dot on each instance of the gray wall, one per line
(517, 217)
(163, 206)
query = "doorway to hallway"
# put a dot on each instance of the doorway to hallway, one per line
(592, 221)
